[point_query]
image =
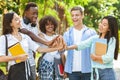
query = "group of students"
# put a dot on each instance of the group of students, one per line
(81, 62)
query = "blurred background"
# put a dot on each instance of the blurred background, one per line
(94, 10)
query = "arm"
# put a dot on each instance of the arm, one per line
(56, 48)
(83, 44)
(71, 47)
(63, 58)
(33, 36)
(109, 56)
(11, 58)
(43, 50)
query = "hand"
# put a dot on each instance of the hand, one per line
(63, 43)
(60, 43)
(93, 57)
(96, 58)
(52, 43)
(22, 57)
(65, 75)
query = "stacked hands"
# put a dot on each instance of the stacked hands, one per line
(59, 43)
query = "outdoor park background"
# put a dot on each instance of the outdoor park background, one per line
(60, 9)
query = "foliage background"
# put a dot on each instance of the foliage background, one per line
(60, 9)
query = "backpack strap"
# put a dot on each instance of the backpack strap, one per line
(6, 48)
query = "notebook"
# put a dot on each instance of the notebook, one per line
(15, 50)
(101, 47)
(61, 69)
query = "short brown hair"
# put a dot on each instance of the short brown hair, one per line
(81, 9)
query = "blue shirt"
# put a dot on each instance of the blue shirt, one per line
(85, 53)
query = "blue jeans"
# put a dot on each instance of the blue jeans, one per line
(106, 74)
(79, 76)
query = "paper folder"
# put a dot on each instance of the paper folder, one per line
(100, 48)
(15, 50)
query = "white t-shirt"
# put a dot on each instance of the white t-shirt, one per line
(50, 55)
(77, 54)
(36, 31)
(26, 43)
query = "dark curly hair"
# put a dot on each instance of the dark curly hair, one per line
(7, 20)
(44, 21)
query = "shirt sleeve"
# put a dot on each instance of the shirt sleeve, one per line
(86, 43)
(32, 45)
(2, 46)
(109, 56)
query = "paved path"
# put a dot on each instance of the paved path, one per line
(117, 67)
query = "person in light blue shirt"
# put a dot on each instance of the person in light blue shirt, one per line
(78, 64)
(102, 65)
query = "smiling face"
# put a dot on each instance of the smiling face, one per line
(15, 21)
(103, 26)
(77, 17)
(49, 28)
(32, 14)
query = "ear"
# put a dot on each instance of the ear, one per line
(11, 24)
(82, 16)
(108, 29)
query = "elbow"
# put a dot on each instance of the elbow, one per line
(107, 60)
(25, 31)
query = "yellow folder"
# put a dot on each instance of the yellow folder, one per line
(15, 50)
(100, 48)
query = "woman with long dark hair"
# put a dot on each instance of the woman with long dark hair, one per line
(21, 70)
(102, 65)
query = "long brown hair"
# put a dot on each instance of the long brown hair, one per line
(7, 20)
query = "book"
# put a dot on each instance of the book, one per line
(101, 47)
(61, 69)
(16, 50)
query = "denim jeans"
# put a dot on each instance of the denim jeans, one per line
(106, 74)
(79, 76)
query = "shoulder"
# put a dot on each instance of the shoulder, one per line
(68, 31)
(112, 40)
(89, 31)
(24, 36)
(2, 37)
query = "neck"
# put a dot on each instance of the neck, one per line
(79, 27)
(50, 33)
(15, 32)
(102, 36)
